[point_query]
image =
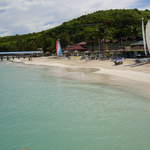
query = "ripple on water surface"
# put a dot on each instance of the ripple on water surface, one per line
(42, 112)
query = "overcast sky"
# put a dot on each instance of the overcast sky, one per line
(25, 16)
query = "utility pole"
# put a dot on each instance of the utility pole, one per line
(99, 46)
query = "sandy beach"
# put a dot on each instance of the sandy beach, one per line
(129, 76)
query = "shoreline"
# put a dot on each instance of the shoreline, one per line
(129, 76)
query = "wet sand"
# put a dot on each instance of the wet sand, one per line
(128, 76)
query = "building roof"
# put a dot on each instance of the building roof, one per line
(75, 47)
(82, 43)
(139, 43)
(21, 52)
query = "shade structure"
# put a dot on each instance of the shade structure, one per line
(21, 52)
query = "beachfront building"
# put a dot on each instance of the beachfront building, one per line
(76, 49)
(107, 49)
(134, 50)
(137, 46)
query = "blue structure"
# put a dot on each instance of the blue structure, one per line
(22, 53)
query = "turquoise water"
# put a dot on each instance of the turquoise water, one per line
(39, 111)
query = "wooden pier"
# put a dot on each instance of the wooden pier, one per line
(21, 54)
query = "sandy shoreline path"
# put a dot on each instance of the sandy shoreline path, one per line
(134, 77)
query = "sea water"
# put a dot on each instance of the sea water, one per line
(40, 111)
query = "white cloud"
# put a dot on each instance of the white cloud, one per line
(23, 16)
(145, 7)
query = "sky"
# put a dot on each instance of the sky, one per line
(27, 16)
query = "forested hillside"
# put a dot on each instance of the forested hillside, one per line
(109, 25)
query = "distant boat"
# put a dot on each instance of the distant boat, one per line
(58, 48)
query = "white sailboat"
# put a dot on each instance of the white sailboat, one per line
(146, 42)
(148, 36)
(58, 48)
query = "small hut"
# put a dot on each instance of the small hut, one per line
(76, 49)
(137, 45)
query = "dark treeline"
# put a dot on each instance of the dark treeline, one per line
(109, 25)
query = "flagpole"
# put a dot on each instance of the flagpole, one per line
(143, 33)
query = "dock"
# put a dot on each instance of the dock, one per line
(20, 54)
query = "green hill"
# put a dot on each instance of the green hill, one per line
(109, 25)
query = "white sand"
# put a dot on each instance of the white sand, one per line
(137, 73)
(129, 74)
